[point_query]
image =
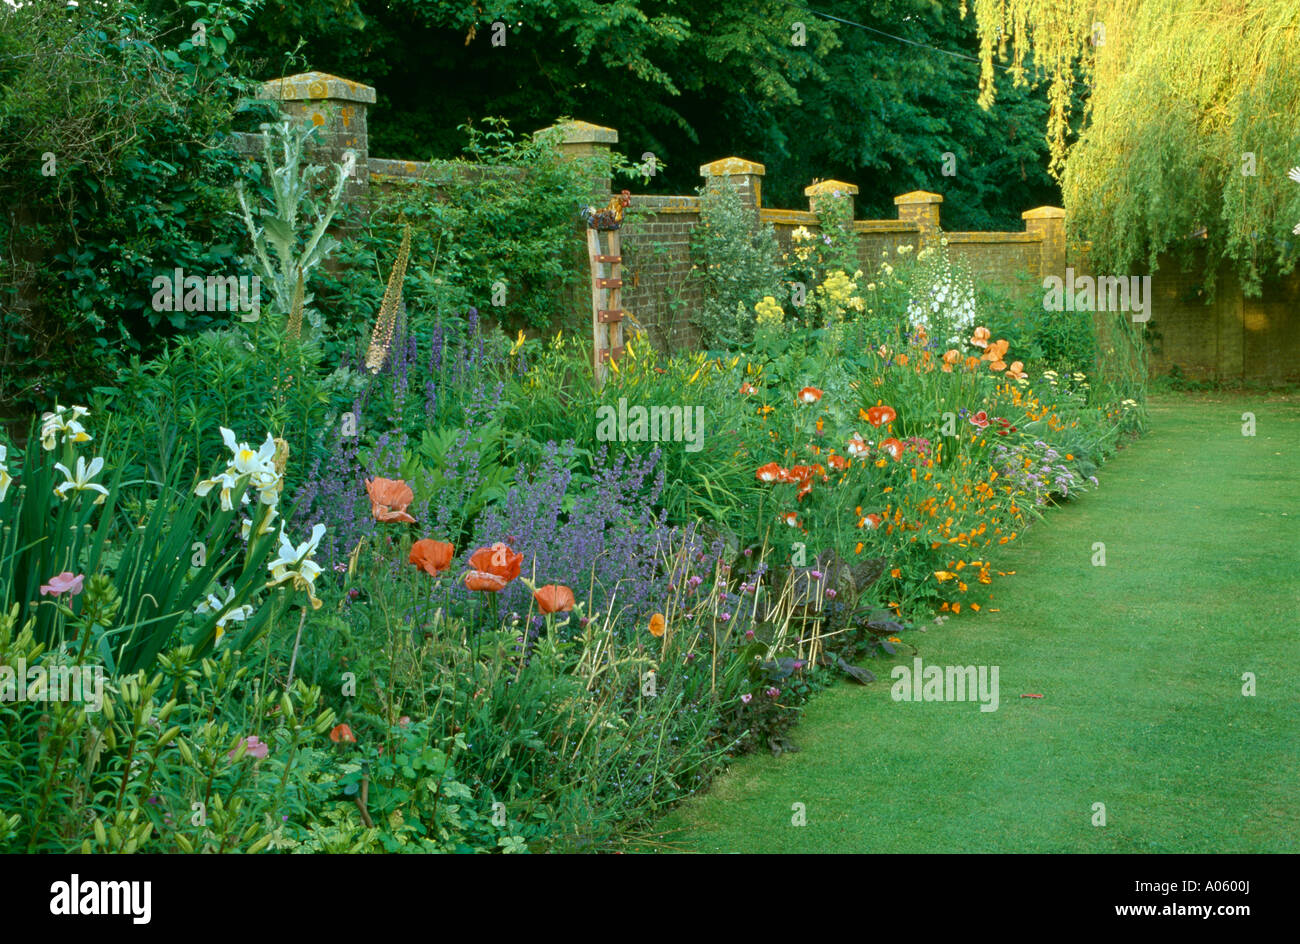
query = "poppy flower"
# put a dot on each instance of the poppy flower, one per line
(809, 395)
(838, 463)
(893, 447)
(748, 388)
(342, 734)
(996, 351)
(498, 560)
(951, 359)
(871, 521)
(1016, 370)
(769, 473)
(482, 581)
(658, 625)
(389, 499)
(980, 419)
(432, 557)
(791, 519)
(554, 598)
(981, 338)
(879, 415)
(857, 446)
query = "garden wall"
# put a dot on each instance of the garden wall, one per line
(1236, 338)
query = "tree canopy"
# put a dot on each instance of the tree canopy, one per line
(1189, 129)
(691, 81)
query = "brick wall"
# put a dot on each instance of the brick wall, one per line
(1235, 338)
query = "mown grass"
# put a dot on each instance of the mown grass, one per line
(1139, 662)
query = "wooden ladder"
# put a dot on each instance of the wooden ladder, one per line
(606, 298)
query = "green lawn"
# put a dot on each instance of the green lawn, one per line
(1140, 663)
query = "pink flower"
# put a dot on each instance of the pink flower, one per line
(773, 692)
(746, 698)
(252, 748)
(66, 582)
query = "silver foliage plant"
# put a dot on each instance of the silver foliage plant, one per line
(280, 255)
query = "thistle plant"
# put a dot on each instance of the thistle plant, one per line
(275, 229)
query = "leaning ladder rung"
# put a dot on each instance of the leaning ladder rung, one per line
(609, 283)
(608, 258)
(614, 354)
(610, 315)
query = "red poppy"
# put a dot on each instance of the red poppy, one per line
(432, 557)
(893, 447)
(809, 395)
(791, 519)
(342, 734)
(980, 419)
(857, 446)
(389, 499)
(879, 415)
(838, 463)
(769, 473)
(554, 598)
(482, 581)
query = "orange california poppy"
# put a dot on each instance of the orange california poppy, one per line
(838, 463)
(342, 734)
(658, 625)
(769, 473)
(857, 446)
(809, 395)
(432, 557)
(879, 415)
(389, 499)
(554, 598)
(893, 447)
(981, 338)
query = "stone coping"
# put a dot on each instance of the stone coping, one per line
(317, 86)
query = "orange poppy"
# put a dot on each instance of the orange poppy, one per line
(491, 568)
(951, 359)
(342, 734)
(748, 388)
(879, 415)
(981, 338)
(791, 519)
(481, 581)
(389, 499)
(809, 395)
(432, 557)
(1016, 370)
(498, 560)
(554, 598)
(769, 473)
(658, 625)
(839, 463)
(857, 446)
(893, 447)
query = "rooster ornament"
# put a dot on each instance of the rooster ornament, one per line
(609, 216)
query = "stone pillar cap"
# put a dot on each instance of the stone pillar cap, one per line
(918, 196)
(582, 132)
(830, 186)
(732, 167)
(314, 86)
(1043, 213)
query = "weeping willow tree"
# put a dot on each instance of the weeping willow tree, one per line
(1191, 124)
